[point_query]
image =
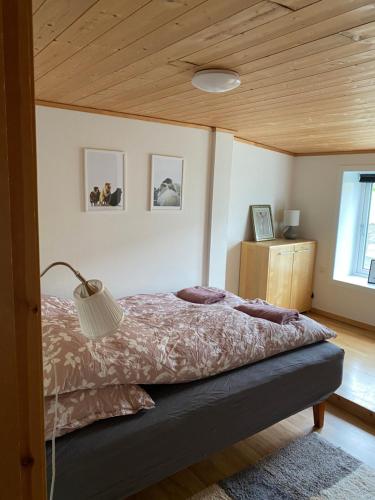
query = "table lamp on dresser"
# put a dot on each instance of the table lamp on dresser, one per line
(291, 221)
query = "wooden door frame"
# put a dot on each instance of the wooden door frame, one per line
(22, 464)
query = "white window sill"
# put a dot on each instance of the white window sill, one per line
(354, 280)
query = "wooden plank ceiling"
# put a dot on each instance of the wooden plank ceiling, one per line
(307, 66)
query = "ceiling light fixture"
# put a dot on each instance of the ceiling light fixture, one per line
(216, 80)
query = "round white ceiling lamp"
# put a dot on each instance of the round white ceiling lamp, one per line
(216, 80)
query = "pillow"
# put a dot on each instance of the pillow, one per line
(269, 312)
(83, 407)
(200, 295)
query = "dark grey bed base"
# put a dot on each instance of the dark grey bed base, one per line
(115, 458)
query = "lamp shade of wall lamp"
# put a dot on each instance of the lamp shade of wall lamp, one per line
(216, 80)
(99, 313)
(291, 221)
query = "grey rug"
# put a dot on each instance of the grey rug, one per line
(309, 468)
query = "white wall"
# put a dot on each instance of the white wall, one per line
(222, 146)
(259, 176)
(142, 251)
(133, 251)
(316, 192)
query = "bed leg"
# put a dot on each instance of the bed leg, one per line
(319, 415)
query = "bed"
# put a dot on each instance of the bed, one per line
(114, 458)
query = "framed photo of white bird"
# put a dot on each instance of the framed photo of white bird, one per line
(104, 180)
(167, 174)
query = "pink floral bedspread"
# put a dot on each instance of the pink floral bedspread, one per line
(162, 339)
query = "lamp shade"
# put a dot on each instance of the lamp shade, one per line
(291, 217)
(99, 314)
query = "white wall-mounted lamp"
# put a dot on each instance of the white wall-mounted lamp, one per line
(98, 312)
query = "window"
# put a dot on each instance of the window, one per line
(355, 244)
(364, 249)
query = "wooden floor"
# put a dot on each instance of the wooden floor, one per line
(341, 429)
(359, 366)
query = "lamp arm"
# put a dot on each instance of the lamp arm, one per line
(90, 289)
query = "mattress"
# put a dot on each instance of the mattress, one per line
(114, 458)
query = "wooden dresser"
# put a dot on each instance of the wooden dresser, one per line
(279, 271)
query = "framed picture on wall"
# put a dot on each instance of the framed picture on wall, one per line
(371, 273)
(167, 173)
(104, 180)
(261, 222)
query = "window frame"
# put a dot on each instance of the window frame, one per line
(358, 268)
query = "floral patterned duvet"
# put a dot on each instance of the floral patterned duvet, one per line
(162, 339)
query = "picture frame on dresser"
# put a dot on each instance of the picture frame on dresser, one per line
(261, 222)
